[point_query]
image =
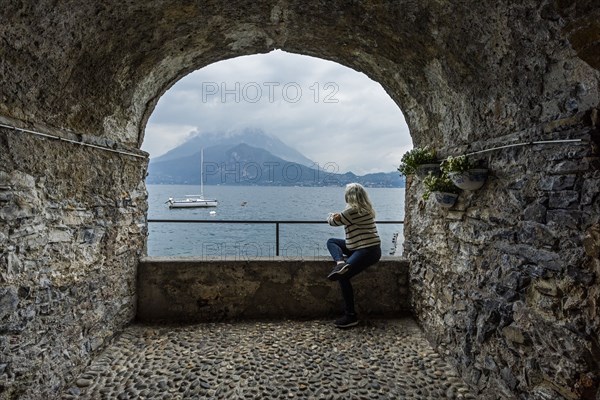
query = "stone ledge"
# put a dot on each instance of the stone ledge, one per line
(194, 289)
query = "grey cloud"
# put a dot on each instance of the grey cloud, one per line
(363, 132)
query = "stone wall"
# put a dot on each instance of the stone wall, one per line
(507, 282)
(72, 226)
(196, 290)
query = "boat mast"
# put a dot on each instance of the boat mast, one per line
(201, 168)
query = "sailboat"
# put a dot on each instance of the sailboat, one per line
(194, 200)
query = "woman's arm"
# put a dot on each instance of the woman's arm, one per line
(335, 219)
(339, 219)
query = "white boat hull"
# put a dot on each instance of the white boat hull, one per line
(192, 203)
(194, 200)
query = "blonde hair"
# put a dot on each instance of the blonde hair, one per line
(357, 198)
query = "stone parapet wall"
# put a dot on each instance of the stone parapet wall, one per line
(506, 283)
(193, 290)
(72, 227)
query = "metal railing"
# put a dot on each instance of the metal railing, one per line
(237, 221)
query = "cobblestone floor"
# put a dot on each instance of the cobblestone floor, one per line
(379, 359)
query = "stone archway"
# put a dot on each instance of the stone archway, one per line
(467, 75)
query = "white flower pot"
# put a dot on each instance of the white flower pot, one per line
(472, 179)
(444, 199)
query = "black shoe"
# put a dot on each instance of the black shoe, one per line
(347, 321)
(338, 271)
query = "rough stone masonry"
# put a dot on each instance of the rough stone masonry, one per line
(505, 284)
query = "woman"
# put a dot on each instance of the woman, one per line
(362, 246)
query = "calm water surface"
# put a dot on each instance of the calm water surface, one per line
(261, 203)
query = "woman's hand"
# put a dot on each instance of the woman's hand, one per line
(337, 217)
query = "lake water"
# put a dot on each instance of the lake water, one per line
(240, 241)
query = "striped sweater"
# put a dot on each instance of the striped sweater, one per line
(361, 230)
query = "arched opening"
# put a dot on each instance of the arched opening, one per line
(306, 126)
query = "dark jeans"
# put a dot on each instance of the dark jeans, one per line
(359, 260)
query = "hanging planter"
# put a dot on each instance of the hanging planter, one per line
(445, 199)
(463, 173)
(444, 191)
(419, 162)
(471, 179)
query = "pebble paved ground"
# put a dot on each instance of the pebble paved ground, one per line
(379, 359)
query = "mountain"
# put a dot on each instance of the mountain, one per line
(243, 164)
(251, 136)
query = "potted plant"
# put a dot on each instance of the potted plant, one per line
(464, 173)
(442, 188)
(419, 161)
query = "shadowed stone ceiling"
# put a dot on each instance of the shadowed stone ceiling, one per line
(456, 69)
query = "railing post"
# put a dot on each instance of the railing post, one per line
(276, 238)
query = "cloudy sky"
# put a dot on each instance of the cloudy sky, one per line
(328, 112)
